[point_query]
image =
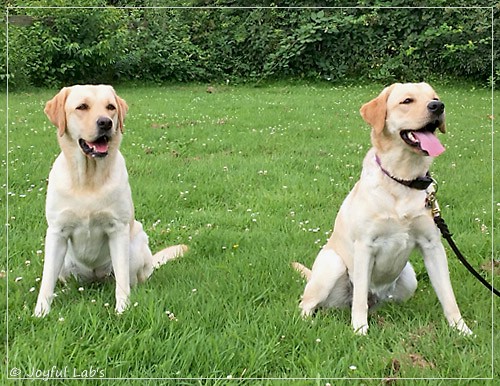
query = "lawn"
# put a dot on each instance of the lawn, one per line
(251, 179)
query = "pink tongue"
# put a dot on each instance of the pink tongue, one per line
(429, 143)
(100, 147)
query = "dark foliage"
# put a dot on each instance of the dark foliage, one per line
(219, 40)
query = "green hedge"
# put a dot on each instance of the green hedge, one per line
(55, 46)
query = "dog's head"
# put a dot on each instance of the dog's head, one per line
(90, 116)
(406, 115)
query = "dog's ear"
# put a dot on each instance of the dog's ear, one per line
(54, 109)
(122, 111)
(374, 112)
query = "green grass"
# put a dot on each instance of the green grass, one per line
(251, 179)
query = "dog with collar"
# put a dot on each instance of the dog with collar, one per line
(385, 217)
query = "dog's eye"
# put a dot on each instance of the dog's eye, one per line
(407, 101)
(111, 107)
(83, 106)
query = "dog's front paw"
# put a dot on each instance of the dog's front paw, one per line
(362, 330)
(359, 324)
(306, 310)
(42, 308)
(462, 328)
(121, 305)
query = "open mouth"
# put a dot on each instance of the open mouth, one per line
(424, 139)
(98, 148)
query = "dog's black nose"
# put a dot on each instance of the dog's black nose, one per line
(436, 107)
(104, 123)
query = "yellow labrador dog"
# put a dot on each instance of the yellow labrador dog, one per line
(384, 218)
(91, 228)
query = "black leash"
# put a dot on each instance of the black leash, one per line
(445, 232)
(447, 236)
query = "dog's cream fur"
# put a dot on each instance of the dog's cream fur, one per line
(91, 228)
(381, 221)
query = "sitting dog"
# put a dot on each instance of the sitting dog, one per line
(385, 217)
(91, 231)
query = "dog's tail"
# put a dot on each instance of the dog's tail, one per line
(303, 270)
(170, 253)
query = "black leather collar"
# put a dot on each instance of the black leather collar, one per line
(419, 183)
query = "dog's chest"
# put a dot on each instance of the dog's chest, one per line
(394, 235)
(92, 226)
(88, 222)
(390, 252)
(89, 233)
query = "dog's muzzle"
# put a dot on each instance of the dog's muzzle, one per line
(424, 139)
(98, 147)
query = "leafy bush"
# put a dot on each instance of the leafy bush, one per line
(159, 47)
(69, 45)
(386, 44)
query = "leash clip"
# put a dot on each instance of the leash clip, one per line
(431, 201)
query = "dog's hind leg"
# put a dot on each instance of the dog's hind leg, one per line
(142, 261)
(141, 258)
(406, 284)
(326, 272)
